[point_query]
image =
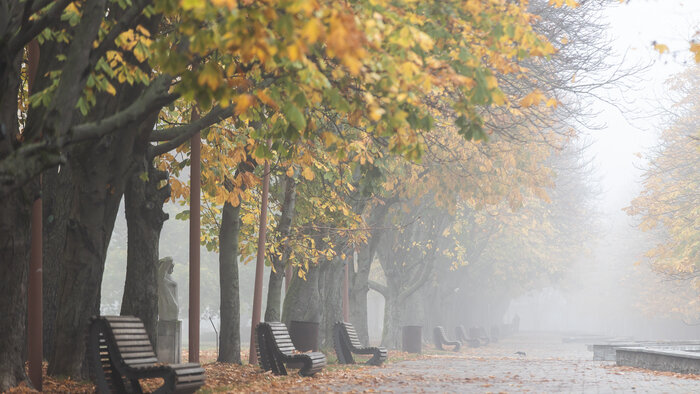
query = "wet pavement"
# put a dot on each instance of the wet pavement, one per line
(548, 366)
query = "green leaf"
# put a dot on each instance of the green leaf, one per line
(294, 116)
(184, 215)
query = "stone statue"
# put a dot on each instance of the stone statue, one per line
(167, 291)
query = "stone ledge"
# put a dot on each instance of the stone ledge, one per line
(660, 359)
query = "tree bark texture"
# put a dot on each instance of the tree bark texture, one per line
(303, 300)
(359, 288)
(15, 215)
(15, 218)
(230, 333)
(56, 199)
(331, 291)
(99, 175)
(99, 172)
(274, 288)
(143, 202)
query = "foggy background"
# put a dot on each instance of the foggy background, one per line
(605, 291)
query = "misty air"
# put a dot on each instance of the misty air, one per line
(312, 195)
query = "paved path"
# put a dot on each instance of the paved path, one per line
(549, 366)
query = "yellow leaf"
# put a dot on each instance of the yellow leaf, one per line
(293, 52)
(533, 98)
(143, 31)
(110, 89)
(695, 48)
(491, 82)
(375, 113)
(267, 100)
(564, 40)
(243, 102)
(311, 31)
(661, 48)
(210, 76)
(308, 174)
(552, 102)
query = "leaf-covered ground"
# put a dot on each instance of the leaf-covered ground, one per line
(547, 366)
(223, 378)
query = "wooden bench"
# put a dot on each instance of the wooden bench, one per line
(120, 354)
(441, 339)
(462, 337)
(275, 348)
(346, 342)
(479, 334)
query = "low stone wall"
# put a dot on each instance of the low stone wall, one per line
(606, 351)
(660, 360)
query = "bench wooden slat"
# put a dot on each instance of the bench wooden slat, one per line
(131, 355)
(346, 342)
(275, 349)
(120, 354)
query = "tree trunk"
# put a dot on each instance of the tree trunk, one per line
(303, 300)
(359, 281)
(99, 175)
(15, 215)
(230, 334)
(57, 199)
(15, 219)
(274, 288)
(143, 203)
(391, 333)
(331, 291)
(87, 238)
(358, 312)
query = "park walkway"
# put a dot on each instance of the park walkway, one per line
(548, 366)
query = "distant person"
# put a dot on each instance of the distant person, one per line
(516, 322)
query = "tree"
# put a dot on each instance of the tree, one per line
(112, 68)
(668, 203)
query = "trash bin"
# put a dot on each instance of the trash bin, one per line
(304, 335)
(412, 339)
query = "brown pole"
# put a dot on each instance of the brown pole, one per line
(346, 296)
(35, 322)
(195, 185)
(259, 265)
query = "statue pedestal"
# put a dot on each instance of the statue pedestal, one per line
(168, 349)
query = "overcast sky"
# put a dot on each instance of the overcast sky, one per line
(634, 128)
